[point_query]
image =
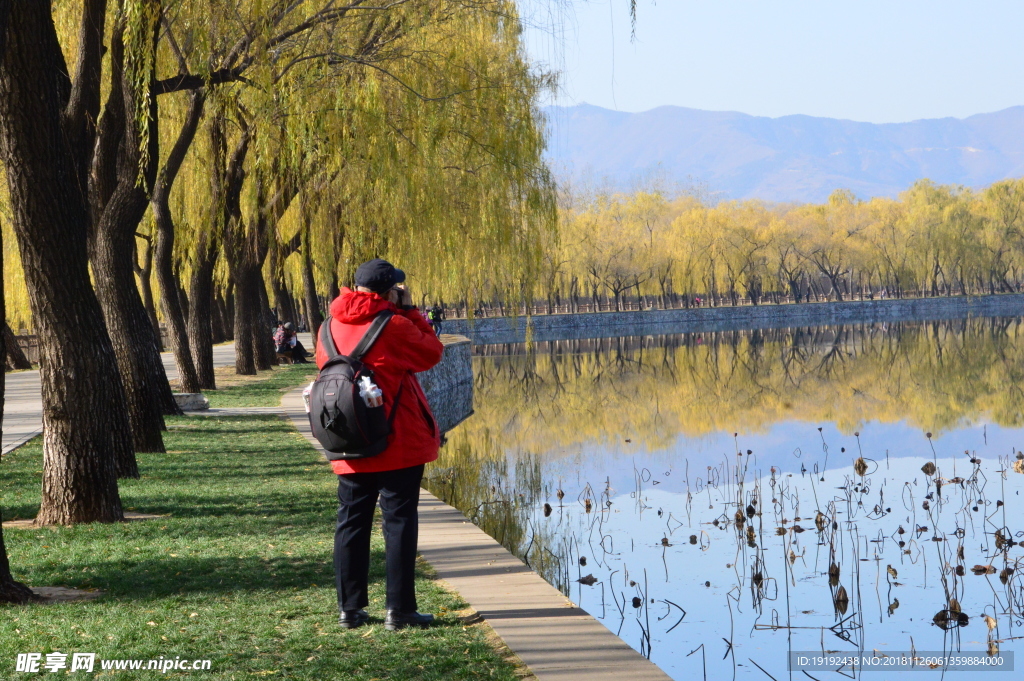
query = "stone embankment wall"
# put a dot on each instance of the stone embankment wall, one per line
(449, 385)
(654, 322)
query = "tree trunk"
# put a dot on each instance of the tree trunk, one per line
(263, 340)
(113, 261)
(246, 315)
(10, 590)
(220, 319)
(244, 247)
(283, 302)
(283, 305)
(16, 359)
(182, 296)
(85, 422)
(227, 304)
(200, 294)
(314, 317)
(130, 330)
(113, 255)
(145, 274)
(169, 285)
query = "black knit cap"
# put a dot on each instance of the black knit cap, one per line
(379, 275)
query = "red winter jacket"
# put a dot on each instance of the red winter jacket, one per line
(406, 345)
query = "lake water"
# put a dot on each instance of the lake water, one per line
(724, 500)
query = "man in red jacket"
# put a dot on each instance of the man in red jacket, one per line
(405, 346)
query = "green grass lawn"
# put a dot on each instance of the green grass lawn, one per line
(264, 390)
(239, 572)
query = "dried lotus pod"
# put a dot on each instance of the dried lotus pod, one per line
(842, 600)
(833, 570)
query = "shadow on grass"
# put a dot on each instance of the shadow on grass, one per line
(263, 391)
(163, 577)
(249, 465)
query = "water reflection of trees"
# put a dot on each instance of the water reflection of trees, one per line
(654, 388)
(551, 398)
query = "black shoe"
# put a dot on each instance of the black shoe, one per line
(350, 619)
(395, 620)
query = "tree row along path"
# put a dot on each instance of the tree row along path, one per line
(23, 405)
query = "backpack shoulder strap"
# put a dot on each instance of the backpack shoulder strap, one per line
(371, 335)
(327, 339)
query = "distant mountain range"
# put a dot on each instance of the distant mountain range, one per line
(792, 158)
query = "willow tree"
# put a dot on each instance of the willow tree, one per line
(122, 162)
(264, 61)
(409, 133)
(43, 114)
(442, 168)
(239, 39)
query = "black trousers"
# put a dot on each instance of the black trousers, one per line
(399, 493)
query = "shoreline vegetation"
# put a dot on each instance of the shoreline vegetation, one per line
(651, 249)
(238, 572)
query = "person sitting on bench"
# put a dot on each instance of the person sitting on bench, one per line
(287, 343)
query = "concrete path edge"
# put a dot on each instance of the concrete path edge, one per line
(555, 639)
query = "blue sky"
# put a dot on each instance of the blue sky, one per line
(866, 60)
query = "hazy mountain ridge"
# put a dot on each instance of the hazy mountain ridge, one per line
(792, 158)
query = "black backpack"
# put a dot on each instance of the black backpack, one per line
(339, 417)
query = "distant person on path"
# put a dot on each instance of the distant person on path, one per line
(406, 345)
(287, 343)
(436, 315)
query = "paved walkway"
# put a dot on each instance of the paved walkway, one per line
(555, 639)
(23, 406)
